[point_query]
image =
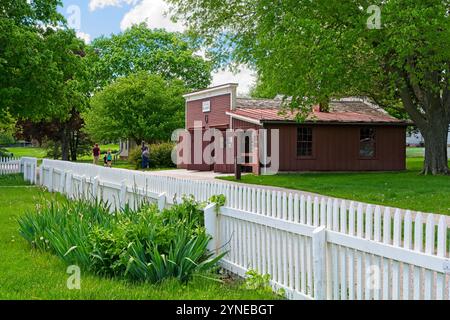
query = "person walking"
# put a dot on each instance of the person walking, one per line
(145, 158)
(109, 158)
(96, 153)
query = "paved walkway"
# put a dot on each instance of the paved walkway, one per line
(189, 174)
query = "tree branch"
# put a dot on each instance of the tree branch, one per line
(411, 108)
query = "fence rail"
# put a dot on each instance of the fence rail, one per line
(312, 247)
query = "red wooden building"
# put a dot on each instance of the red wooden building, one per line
(354, 135)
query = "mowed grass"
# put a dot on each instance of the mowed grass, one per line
(30, 274)
(40, 153)
(407, 189)
(27, 152)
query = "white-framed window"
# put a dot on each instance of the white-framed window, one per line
(206, 106)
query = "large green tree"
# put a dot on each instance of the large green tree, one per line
(43, 75)
(141, 106)
(316, 50)
(169, 54)
(28, 74)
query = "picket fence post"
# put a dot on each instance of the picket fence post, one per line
(319, 263)
(162, 199)
(123, 194)
(211, 226)
(62, 181)
(69, 188)
(95, 188)
(41, 175)
(50, 179)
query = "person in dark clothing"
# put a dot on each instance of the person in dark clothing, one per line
(145, 158)
(96, 153)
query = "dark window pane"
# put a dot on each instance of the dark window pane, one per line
(304, 142)
(367, 143)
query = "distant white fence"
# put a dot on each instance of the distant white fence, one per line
(25, 165)
(9, 165)
(313, 248)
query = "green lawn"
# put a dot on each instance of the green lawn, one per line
(41, 152)
(27, 152)
(407, 189)
(28, 274)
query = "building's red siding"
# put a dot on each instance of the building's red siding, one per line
(336, 148)
(216, 117)
(239, 124)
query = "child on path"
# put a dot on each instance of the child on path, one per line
(109, 158)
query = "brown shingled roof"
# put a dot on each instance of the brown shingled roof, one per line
(341, 111)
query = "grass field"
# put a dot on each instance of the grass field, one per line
(407, 189)
(41, 152)
(27, 152)
(29, 274)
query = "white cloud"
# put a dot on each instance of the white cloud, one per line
(154, 13)
(84, 36)
(244, 77)
(100, 4)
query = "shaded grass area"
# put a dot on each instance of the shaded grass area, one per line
(12, 180)
(407, 189)
(31, 274)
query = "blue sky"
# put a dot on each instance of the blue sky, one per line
(94, 18)
(98, 22)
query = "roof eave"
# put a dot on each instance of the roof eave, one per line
(402, 123)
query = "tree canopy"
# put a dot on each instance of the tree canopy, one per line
(141, 106)
(168, 54)
(37, 59)
(316, 50)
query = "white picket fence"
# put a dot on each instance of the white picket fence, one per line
(9, 165)
(312, 247)
(29, 169)
(25, 165)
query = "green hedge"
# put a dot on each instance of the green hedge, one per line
(160, 156)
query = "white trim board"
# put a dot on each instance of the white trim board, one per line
(244, 118)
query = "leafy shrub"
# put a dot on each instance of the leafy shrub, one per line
(186, 256)
(142, 245)
(52, 149)
(6, 138)
(161, 155)
(260, 283)
(5, 153)
(135, 157)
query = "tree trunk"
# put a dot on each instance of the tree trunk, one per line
(436, 159)
(73, 145)
(64, 144)
(431, 114)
